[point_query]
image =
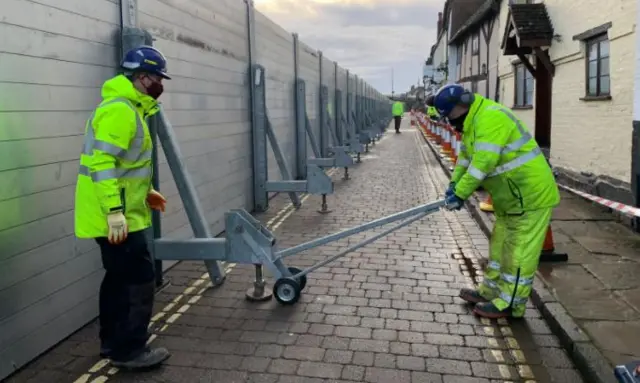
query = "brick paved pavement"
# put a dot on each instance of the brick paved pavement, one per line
(387, 313)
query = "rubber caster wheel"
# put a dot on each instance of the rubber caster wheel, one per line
(287, 291)
(302, 281)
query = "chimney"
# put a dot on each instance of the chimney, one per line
(439, 22)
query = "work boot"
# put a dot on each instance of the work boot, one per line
(148, 359)
(489, 310)
(471, 296)
(105, 352)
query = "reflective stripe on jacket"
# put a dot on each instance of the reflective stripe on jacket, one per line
(500, 154)
(115, 164)
(398, 108)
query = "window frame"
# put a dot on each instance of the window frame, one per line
(588, 43)
(518, 83)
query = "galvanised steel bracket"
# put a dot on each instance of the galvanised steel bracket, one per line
(316, 182)
(339, 153)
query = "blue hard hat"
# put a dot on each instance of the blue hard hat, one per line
(145, 59)
(447, 97)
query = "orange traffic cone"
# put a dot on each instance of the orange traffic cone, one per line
(487, 205)
(548, 253)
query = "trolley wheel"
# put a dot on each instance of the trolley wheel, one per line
(287, 291)
(302, 281)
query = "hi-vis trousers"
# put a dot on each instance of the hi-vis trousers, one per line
(514, 254)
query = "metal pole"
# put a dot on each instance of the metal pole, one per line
(132, 37)
(299, 97)
(321, 112)
(335, 104)
(426, 208)
(392, 82)
(258, 128)
(635, 146)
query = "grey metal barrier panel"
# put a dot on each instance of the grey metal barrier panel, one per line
(48, 279)
(310, 73)
(274, 51)
(207, 103)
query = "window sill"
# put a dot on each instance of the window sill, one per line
(596, 98)
(522, 107)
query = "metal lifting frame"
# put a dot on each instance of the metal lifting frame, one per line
(250, 242)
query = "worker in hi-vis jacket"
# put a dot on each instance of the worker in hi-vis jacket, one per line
(113, 203)
(499, 154)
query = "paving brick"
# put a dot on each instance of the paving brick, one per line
(378, 323)
(363, 358)
(446, 366)
(461, 353)
(355, 373)
(353, 332)
(338, 356)
(424, 350)
(283, 366)
(304, 353)
(425, 377)
(320, 370)
(369, 345)
(411, 363)
(386, 375)
(255, 364)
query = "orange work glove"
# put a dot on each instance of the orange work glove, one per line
(156, 201)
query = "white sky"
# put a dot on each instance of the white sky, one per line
(368, 37)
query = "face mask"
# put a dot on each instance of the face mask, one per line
(458, 123)
(155, 90)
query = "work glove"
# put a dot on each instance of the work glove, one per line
(451, 190)
(156, 201)
(118, 228)
(453, 202)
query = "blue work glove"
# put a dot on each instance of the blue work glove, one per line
(451, 191)
(453, 202)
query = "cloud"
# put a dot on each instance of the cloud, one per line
(368, 37)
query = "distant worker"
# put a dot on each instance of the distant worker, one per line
(500, 154)
(432, 112)
(397, 111)
(113, 199)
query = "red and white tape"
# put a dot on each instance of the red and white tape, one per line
(617, 206)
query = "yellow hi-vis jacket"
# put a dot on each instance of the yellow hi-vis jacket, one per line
(115, 164)
(397, 109)
(433, 112)
(500, 154)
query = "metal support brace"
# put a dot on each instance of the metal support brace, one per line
(187, 192)
(301, 114)
(316, 181)
(339, 153)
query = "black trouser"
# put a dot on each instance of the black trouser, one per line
(398, 120)
(126, 296)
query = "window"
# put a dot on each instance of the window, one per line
(459, 55)
(524, 87)
(475, 44)
(598, 80)
(474, 86)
